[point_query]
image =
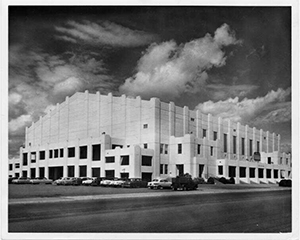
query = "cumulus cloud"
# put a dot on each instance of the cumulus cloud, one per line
(247, 109)
(19, 123)
(106, 32)
(167, 70)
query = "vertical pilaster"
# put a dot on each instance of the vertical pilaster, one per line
(185, 120)
(172, 119)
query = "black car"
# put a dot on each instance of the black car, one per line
(10, 179)
(285, 183)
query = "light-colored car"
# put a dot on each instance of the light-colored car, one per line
(159, 183)
(41, 180)
(21, 180)
(106, 182)
(60, 181)
(117, 182)
(88, 181)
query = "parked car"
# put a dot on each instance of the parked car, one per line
(88, 181)
(184, 183)
(96, 181)
(134, 183)
(159, 183)
(117, 182)
(21, 180)
(10, 179)
(106, 182)
(285, 183)
(41, 180)
(60, 181)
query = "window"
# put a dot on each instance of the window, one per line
(192, 119)
(243, 146)
(257, 146)
(204, 132)
(42, 155)
(166, 148)
(220, 170)
(61, 152)
(269, 173)
(146, 160)
(260, 173)
(42, 172)
(231, 171)
(50, 153)
(110, 159)
(269, 160)
(166, 168)
(179, 150)
(225, 143)
(275, 173)
(215, 136)
(70, 171)
(145, 126)
(286, 161)
(234, 144)
(83, 152)
(71, 152)
(125, 160)
(161, 148)
(25, 160)
(109, 173)
(145, 145)
(10, 168)
(32, 173)
(95, 172)
(242, 172)
(250, 147)
(33, 157)
(82, 171)
(211, 151)
(56, 153)
(161, 169)
(201, 168)
(198, 149)
(17, 165)
(96, 152)
(252, 172)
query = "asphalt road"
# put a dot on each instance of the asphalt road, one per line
(238, 212)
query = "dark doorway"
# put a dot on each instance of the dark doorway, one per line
(231, 171)
(70, 171)
(32, 173)
(42, 171)
(179, 170)
(56, 172)
(24, 173)
(201, 168)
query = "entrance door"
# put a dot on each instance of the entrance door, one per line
(32, 173)
(201, 168)
(146, 176)
(179, 170)
(55, 172)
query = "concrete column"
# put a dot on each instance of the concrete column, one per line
(273, 142)
(139, 118)
(248, 174)
(65, 159)
(247, 143)
(278, 143)
(261, 140)
(110, 114)
(89, 160)
(186, 120)
(209, 127)
(268, 143)
(76, 159)
(237, 173)
(238, 141)
(172, 119)
(98, 109)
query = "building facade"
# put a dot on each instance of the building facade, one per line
(107, 136)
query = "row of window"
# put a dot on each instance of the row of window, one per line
(179, 149)
(232, 172)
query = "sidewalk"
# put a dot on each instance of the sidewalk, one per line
(151, 193)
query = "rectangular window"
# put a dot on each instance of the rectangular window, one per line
(260, 173)
(242, 172)
(96, 152)
(215, 136)
(161, 169)
(114, 146)
(225, 143)
(198, 149)
(146, 160)
(234, 144)
(71, 171)
(42, 155)
(145, 126)
(145, 145)
(25, 159)
(201, 168)
(269, 160)
(211, 151)
(42, 172)
(33, 157)
(32, 173)
(82, 171)
(17, 165)
(257, 146)
(275, 173)
(50, 153)
(231, 171)
(110, 159)
(269, 173)
(10, 168)
(71, 152)
(61, 152)
(252, 172)
(125, 160)
(109, 173)
(166, 168)
(192, 119)
(95, 172)
(161, 148)
(166, 148)
(220, 170)
(250, 147)
(83, 152)
(204, 132)
(179, 146)
(243, 146)
(56, 153)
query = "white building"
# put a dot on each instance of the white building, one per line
(97, 135)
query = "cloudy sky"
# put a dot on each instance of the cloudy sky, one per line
(233, 62)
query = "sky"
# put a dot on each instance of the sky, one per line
(232, 62)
